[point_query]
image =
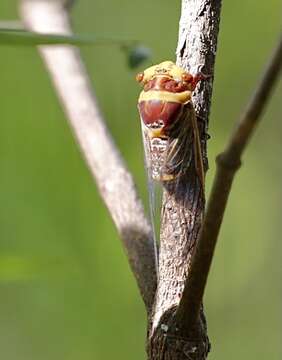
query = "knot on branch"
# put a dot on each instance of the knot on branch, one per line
(169, 341)
(166, 346)
(192, 349)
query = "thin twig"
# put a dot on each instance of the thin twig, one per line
(114, 181)
(228, 163)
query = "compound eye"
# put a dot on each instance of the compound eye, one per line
(186, 77)
(139, 77)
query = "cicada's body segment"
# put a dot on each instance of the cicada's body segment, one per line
(169, 129)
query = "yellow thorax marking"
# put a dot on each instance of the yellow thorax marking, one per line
(183, 97)
(156, 133)
(165, 68)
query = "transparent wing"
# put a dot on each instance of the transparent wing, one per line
(167, 160)
(153, 162)
(184, 161)
(184, 148)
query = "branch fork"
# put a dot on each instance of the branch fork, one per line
(177, 327)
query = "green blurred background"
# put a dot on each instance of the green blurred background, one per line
(66, 292)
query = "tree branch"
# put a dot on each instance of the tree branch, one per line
(228, 163)
(183, 204)
(114, 181)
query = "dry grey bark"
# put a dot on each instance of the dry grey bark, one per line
(196, 52)
(176, 333)
(114, 181)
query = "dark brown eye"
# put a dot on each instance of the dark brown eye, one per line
(139, 77)
(186, 77)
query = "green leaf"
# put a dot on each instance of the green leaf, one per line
(29, 38)
(136, 54)
(15, 36)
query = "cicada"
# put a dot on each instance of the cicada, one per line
(169, 123)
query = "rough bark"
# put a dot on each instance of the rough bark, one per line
(171, 336)
(196, 52)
